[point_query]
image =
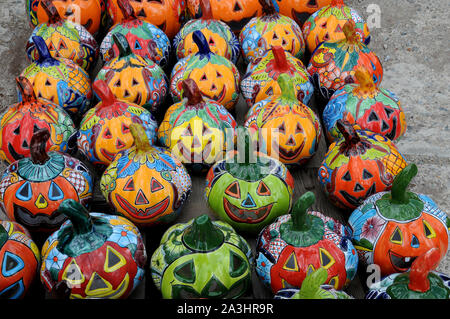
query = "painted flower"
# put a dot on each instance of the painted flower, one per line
(372, 228)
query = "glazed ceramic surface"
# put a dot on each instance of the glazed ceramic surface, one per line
(217, 77)
(32, 188)
(21, 120)
(392, 229)
(269, 30)
(64, 38)
(358, 165)
(202, 259)
(146, 184)
(288, 129)
(300, 10)
(97, 256)
(260, 79)
(297, 244)
(19, 260)
(59, 80)
(372, 108)
(105, 129)
(145, 39)
(133, 78)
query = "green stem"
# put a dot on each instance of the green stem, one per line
(78, 215)
(299, 216)
(203, 235)
(287, 87)
(141, 140)
(401, 183)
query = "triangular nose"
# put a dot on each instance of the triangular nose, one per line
(41, 202)
(415, 242)
(291, 141)
(248, 202)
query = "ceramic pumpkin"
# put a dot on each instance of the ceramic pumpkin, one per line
(260, 79)
(145, 39)
(146, 184)
(59, 80)
(363, 103)
(88, 13)
(167, 15)
(300, 10)
(299, 243)
(217, 77)
(32, 188)
(105, 129)
(202, 259)
(133, 78)
(420, 282)
(327, 25)
(249, 190)
(313, 288)
(19, 260)
(221, 39)
(333, 63)
(195, 129)
(21, 120)
(391, 229)
(358, 165)
(64, 38)
(288, 129)
(235, 13)
(270, 30)
(96, 255)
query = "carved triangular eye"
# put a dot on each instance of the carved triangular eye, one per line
(155, 185)
(326, 260)
(118, 83)
(211, 41)
(428, 230)
(114, 260)
(233, 190)
(237, 265)
(373, 117)
(62, 45)
(129, 186)
(291, 263)
(54, 192)
(185, 272)
(367, 174)
(312, 4)
(11, 264)
(187, 131)
(24, 192)
(282, 128)
(107, 133)
(125, 128)
(214, 288)
(204, 77)
(298, 129)
(73, 274)
(397, 236)
(237, 7)
(338, 28)
(218, 74)
(206, 130)
(347, 177)
(263, 190)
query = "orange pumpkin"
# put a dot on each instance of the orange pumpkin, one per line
(300, 10)
(168, 15)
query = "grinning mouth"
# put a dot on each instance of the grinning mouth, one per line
(357, 201)
(13, 153)
(149, 212)
(218, 97)
(242, 215)
(289, 155)
(192, 157)
(401, 263)
(38, 221)
(108, 155)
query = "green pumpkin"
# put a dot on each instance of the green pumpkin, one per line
(202, 259)
(249, 193)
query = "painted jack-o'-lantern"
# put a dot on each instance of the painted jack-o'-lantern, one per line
(21, 120)
(327, 25)
(297, 244)
(313, 288)
(146, 184)
(235, 13)
(105, 129)
(358, 165)
(195, 129)
(421, 282)
(393, 229)
(19, 260)
(145, 39)
(221, 39)
(260, 79)
(363, 103)
(216, 76)
(167, 15)
(95, 255)
(33, 188)
(270, 30)
(133, 78)
(249, 190)
(64, 38)
(334, 63)
(59, 80)
(89, 13)
(202, 259)
(300, 10)
(288, 129)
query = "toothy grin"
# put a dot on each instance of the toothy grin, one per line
(242, 215)
(38, 221)
(401, 263)
(148, 213)
(288, 155)
(218, 97)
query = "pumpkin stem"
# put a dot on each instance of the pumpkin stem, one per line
(26, 89)
(141, 140)
(121, 41)
(127, 10)
(79, 216)
(38, 143)
(191, 92)
(41, 47)
(201, 42)
(279, 55)
(3, 236)
(51, 11)
(365, 80)
(287, 87)
(421, 267)
(299, 216)
(350, 32)
(105, 94)
(205, 6)
(267, 7)
(203, 235)
(348, 131)
(401, 182)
